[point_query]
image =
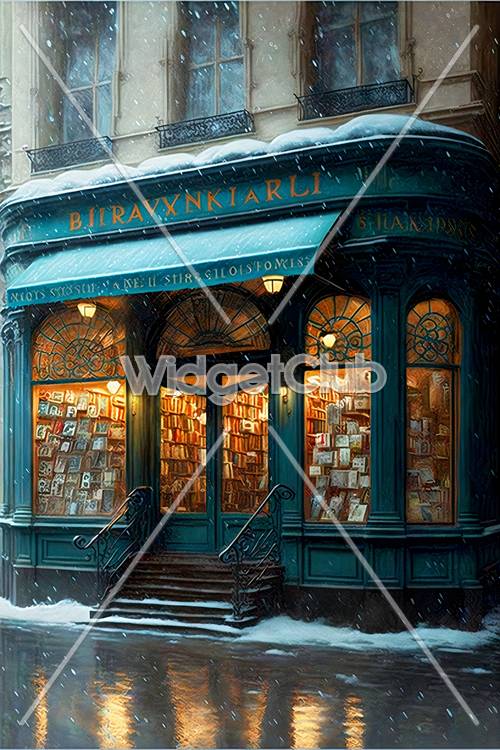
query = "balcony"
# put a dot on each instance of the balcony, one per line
(64, 155)
(355, 99)
(205, 129)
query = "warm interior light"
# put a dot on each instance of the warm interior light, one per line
(86, 309)
(113, 386)
(284, 393)
(328, 340)
(273, 284)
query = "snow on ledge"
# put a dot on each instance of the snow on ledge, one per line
(366, 126)
(63, 612)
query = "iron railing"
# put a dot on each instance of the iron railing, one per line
(121, 538)
(204, 128)
(255, 554)
(355, 99)
(65, 155)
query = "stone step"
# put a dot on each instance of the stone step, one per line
(222, 608)
(176, 627)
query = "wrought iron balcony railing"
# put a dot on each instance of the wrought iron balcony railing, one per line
(72, 154)
(355, 99)
(205, 128)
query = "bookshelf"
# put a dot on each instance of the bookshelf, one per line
(245, 452)
(337, 454)
(182, 449)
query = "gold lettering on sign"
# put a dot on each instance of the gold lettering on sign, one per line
(212, 199)
(135, 213)
(272, 187)
(171, 204)
(75, 221)
(117, 214)
(251, 196)
(195, 201)
(293, 191)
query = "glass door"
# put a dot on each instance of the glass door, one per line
(245, 460)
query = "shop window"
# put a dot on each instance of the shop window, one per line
(338, 411)
(214, 80)
(88, 37)
(433, 359)
(353, 44)
(79, 425)
(245, 455)
(194, 326)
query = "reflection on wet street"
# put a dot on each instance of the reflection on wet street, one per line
(132, 690)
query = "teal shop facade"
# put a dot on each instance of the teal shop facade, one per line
(410, 279)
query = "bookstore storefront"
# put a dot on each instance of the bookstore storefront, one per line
(407, 468)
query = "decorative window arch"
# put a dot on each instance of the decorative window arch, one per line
(338, 412)
(79, 422)
(348, 318)
(67, 346)
(194, 326)
(433, 359)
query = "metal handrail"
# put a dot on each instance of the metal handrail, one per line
(255, 556)
(287, 494)
(112, 550)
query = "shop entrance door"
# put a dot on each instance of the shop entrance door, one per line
(212, 503)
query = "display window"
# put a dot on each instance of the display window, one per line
(79, 425)
(431, 380)
(338, 412)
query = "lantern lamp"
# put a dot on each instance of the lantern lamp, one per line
(328, 340)
(87, 309)
(273, 284)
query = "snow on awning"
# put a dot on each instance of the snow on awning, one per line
(227, 254)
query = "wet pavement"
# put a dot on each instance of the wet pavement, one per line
(135, 690)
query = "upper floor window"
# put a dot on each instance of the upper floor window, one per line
(89, 33)
(213, 53)
(354, 43)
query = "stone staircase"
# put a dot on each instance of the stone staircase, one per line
(184, 593)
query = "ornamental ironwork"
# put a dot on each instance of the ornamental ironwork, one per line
(340, 326)
(194, 326)
(205, 128)
(65, 155)
(432, 333)
(68, 346)
(355, 99)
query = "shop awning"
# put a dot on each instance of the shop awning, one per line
(220, 255)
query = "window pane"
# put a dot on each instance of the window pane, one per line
(337, 450)
(230, 42)
(337, 58)
(245, 471)
(106, 44)
(429, 445)
(78, 449)
(331, 14)
(199, 29)
(375, 11)
(182, 450)
(201, 93)
(104, 109)
(232, 89)
(379, 43)
(75, 128)
(80, 54)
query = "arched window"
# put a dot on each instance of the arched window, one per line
(78, 413)
(337, 411)
(194, 326)
(433, 357)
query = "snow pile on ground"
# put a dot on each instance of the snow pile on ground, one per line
(365, 126)
(285, 631)
(66, 611)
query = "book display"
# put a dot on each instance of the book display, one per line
(78, 449)
(182, 450)
(429, 466)
(245, 469)
(337, 454)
